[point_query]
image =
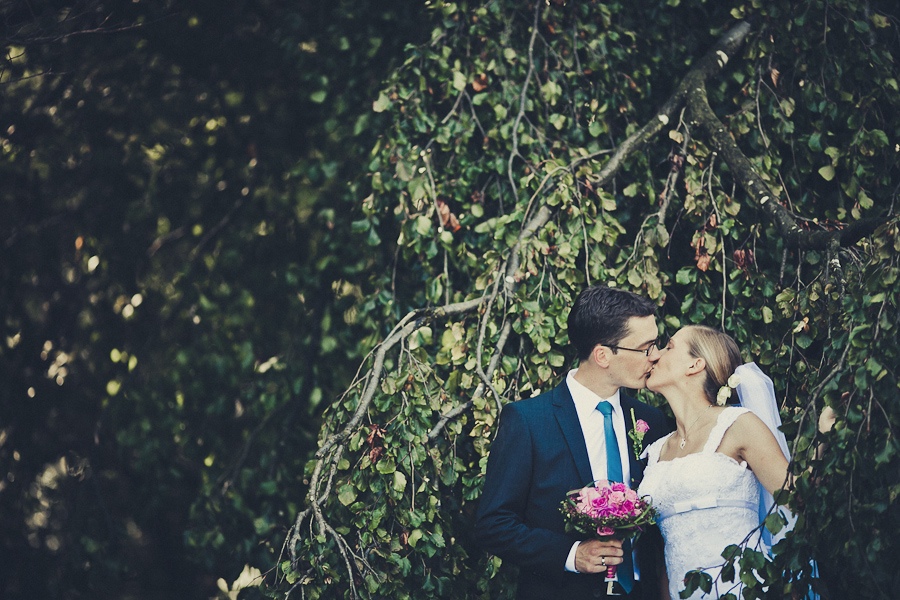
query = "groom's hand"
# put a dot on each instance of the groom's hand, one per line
(593, 556)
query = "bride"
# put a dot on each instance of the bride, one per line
(705, 477)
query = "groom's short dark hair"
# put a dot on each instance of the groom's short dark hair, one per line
(600, 316)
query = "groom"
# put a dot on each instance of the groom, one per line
(566, 438)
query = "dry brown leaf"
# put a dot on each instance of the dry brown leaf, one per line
(743, 259)
(702, 260)
(448, 219)
(375, 440)
(481, 83)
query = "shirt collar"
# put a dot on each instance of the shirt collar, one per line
(586, 400)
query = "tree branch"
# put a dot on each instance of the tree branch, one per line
(522, 97)
(711, 63)
(743, 170)
(411, 323)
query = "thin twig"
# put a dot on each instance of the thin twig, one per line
(482, 332)
(522, 97)
(712, 200)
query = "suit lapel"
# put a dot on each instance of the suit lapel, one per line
(567, 417)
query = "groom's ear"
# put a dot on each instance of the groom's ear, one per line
(600, 356)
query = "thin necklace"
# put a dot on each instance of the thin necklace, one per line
(688, 430)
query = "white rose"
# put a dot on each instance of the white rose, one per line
(734, 381)
(723, 395)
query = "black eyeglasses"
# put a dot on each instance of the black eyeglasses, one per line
(661, 342)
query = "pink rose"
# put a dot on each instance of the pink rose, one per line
(588, 494)
(601, 512)
(641, 426)
(605, 531)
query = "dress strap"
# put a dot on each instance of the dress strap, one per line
(726, 419)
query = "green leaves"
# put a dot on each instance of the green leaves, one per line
(695, 580)
(827, 172)
(459, 81)
(399, 481)
(229, 144)
(382, 103)
(347, 494)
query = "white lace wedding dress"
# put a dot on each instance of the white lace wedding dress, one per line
(707, 500)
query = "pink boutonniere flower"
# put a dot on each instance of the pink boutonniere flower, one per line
(637, 435)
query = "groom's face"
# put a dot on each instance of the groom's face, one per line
(631, 368)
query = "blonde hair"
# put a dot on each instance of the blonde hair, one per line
(720, 352)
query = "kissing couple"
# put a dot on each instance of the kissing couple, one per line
(710, 476)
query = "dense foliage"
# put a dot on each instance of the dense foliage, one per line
(535, 149)
(172, 258)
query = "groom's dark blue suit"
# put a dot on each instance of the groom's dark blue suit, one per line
(538, 456)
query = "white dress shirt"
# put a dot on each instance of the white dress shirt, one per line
(591, 421)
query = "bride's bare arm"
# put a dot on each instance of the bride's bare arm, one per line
(751, 440)
(756, 445)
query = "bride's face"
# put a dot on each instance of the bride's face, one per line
(673, 362)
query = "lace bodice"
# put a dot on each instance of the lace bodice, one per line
(707, 501)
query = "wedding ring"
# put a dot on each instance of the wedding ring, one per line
(603, 560)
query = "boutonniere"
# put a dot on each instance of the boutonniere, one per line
(637, 435)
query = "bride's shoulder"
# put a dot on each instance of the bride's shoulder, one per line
(728, 430)
(730, 415)
(740, 416)
(743, 426)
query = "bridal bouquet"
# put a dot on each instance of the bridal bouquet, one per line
(606, 511)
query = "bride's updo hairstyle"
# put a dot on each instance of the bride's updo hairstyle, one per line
(721, 354)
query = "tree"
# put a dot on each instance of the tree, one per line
(737, 164)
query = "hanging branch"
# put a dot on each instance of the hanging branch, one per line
(522, 97)
(509, 285)
(711, 63)
(759, 191)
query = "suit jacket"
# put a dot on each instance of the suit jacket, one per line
(538, 456)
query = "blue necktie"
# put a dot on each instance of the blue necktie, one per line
(625, 571)
(613, 461)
